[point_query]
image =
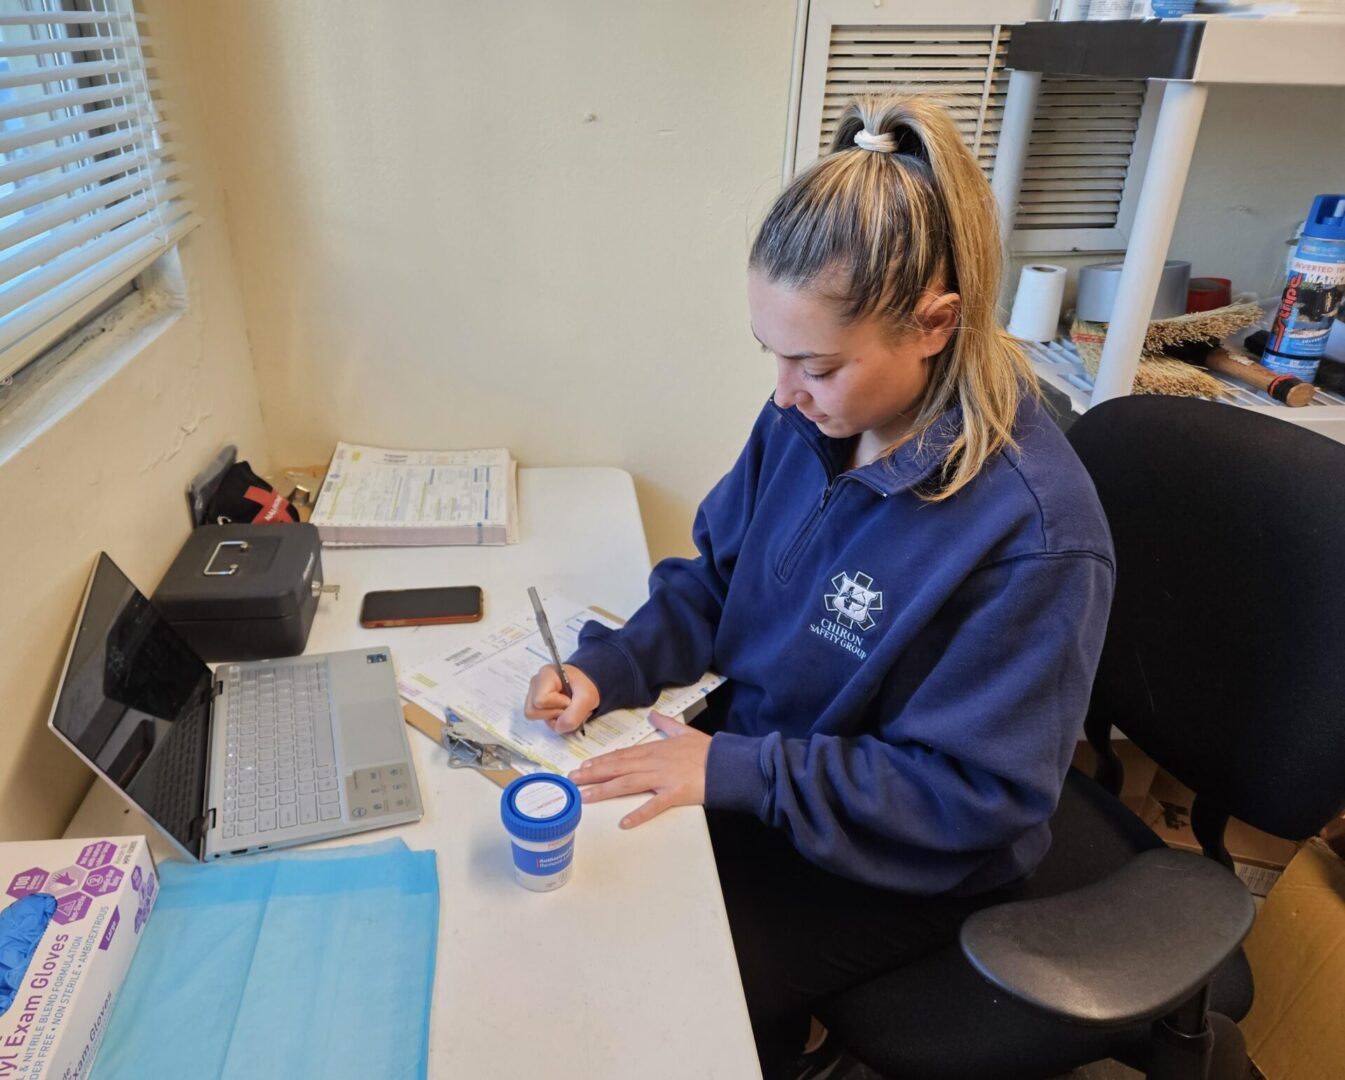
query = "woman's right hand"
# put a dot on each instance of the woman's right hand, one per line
(547, 700)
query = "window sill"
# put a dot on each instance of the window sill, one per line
(61, 381)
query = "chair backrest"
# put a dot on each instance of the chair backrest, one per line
(1225, 652)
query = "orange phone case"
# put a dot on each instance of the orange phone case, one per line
(432, 620)
(426, 620)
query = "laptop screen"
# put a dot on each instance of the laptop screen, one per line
(135, 702)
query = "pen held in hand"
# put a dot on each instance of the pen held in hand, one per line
(544, 625)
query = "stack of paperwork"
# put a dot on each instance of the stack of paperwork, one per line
(409, 498)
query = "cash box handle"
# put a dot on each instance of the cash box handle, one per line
(241, 545)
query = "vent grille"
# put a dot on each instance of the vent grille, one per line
(1082, 137)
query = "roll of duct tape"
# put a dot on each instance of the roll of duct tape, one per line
(1097, 290)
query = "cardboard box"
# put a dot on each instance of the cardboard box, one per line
(1297, 953)
(1334, 835)
(104, 892)
(1139, 770)
(1164, 805)
(1258, 857)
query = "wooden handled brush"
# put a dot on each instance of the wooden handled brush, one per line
(1209, 353)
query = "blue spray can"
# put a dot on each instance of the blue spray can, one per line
(1312, 293)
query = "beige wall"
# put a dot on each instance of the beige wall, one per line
(465, 224)
(1264, 152)
(438, 248)
(111, 475)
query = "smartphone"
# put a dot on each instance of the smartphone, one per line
(421, 607)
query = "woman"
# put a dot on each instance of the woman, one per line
(905, 580)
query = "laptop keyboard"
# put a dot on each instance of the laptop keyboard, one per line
(279, 763)
(179, 766)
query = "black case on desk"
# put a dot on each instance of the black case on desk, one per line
(244, 592)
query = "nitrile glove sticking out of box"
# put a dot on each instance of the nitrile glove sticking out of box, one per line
(312, 964)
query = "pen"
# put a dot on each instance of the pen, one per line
(545, 627)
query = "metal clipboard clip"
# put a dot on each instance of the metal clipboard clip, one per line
(464, 753)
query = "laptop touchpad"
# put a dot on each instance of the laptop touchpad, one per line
(371, 733)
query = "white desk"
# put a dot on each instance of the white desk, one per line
(629, 969)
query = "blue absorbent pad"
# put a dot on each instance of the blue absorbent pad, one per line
(312, 964)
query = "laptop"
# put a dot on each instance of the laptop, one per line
(256, 756)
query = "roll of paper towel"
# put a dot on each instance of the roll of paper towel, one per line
(1036, 305)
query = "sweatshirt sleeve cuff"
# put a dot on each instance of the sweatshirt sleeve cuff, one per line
(733, 776)
(606, 663)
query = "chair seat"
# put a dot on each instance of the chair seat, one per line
(900, 1023)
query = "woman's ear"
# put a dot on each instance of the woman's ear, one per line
(937, 315)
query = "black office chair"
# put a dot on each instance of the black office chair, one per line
(1221, 662)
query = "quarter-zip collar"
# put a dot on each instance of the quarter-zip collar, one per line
(909, 465)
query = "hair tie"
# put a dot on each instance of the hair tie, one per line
(879, 144)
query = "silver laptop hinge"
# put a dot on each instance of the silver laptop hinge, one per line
(203, 825)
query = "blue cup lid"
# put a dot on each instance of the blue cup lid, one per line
(540, 807)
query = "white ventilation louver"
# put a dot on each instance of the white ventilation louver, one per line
(1082, 140)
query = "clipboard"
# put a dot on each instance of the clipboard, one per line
(432, 726)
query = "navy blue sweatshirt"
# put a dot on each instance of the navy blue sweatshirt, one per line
(906, 679)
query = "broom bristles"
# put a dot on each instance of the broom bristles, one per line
(1156, 373)
(1200, 326)
(1164, 375)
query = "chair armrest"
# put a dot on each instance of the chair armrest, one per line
(1131, 947)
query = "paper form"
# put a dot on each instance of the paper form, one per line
(486, 682)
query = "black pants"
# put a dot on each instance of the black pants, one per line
(802, 933)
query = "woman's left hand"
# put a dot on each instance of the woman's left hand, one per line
(672, 768)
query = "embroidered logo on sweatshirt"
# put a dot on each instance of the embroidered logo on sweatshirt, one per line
(853, 604)
(854, 600)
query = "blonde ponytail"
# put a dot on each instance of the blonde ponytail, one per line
(872, 232)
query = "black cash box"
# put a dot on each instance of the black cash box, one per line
(244, 592)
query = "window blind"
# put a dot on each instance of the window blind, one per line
(1082, 137)
(91, 190)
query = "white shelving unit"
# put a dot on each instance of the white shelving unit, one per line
(1058, 364)
(1188, 55)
